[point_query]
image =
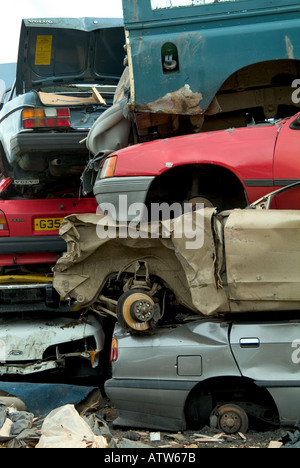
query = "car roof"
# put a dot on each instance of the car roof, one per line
(64, 51)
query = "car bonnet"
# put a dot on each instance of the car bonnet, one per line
(62, 51)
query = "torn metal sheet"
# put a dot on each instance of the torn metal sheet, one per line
(248, 261)
(183, 101)
(41, 399)
(82, 272)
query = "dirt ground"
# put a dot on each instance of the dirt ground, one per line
(101, 416)
(202, 438)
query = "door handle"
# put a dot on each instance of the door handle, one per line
(249, 342)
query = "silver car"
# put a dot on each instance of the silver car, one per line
(208, 371)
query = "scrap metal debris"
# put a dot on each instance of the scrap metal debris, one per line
(41, 399)
(66, 427)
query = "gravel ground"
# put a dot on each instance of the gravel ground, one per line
(203, 438)
(104, 414)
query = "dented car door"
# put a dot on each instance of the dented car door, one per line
(262, 249)
(268, 353)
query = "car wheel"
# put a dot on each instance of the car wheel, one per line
(135, 310)
(232, 419)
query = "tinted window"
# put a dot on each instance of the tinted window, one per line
(61, 52)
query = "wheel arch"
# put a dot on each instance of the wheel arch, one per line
(262, 87)
(179, 184)
(207, 394)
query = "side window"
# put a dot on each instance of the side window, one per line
(6, 94)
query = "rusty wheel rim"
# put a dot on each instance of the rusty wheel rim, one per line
(131, 303)
(233, 419)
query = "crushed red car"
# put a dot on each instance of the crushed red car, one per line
(30, 246)
(29, 229)
(225, 169)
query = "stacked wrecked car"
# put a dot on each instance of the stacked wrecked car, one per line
(193, 254)
(207, 318)
(66, 76)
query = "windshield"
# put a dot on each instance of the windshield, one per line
(75, 88)
(158, 4)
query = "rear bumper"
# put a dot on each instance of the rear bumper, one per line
(34, 244)
(32, 297)
(30, 142)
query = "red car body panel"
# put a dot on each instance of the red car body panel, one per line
(252, 156)
(264, 158)
(287, 154)
(21, 214)
(20, 241)
(28, 259)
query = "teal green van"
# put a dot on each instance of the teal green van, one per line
(198, 65)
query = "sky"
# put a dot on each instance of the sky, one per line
(15, 10)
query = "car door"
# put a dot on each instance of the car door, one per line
(262, 250)
(286, 168)
(269, 354)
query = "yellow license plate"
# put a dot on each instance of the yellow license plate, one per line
(47, 224)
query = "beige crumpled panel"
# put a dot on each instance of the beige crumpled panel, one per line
(260, 271)
(193, 274)
(263, 259)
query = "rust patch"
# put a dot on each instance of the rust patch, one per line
(183, 101)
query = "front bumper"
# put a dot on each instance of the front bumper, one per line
(119, 196)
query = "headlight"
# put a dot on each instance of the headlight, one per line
(108, 168)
